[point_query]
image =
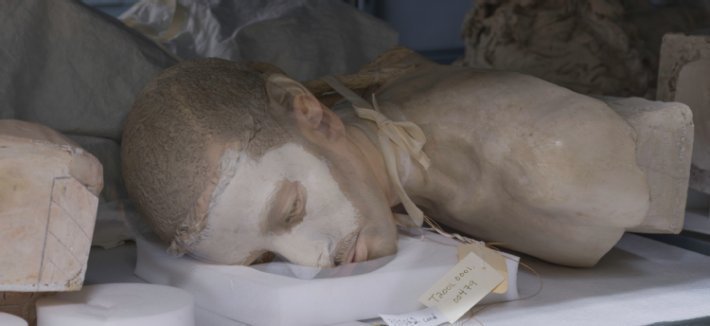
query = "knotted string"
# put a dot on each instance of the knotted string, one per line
(404, 135)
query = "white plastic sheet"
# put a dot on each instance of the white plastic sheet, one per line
(305, 38)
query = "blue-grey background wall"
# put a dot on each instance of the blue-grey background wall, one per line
(432, 28)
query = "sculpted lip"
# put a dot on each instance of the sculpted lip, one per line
(346, 251)
(351, 253)
(359, 250)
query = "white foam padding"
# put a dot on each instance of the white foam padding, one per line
(118, 304)
(11, 320)
(273, 293)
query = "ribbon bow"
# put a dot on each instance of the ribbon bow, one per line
(405, 135)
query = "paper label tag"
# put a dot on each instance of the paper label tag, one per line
(462, 287)
(492, 257)
(427, 317)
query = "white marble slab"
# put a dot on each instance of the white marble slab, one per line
(639, 282)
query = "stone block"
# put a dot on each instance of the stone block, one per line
(49, 190)
(664, 142)
(684, 76)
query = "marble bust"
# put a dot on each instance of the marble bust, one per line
(230, 161)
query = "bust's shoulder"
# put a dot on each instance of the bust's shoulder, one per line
(453, 83)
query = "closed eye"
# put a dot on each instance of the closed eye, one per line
(297, 211)
(288, 207)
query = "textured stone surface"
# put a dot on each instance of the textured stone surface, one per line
(586, 46)
(604, 47)
(664, 143)
(48, 201)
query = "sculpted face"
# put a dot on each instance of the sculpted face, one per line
(227, 163)
(310, 200)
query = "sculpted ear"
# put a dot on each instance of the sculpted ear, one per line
(313, 119)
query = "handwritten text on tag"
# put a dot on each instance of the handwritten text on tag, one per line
(462, 287)
(492, 257)
(427, 317)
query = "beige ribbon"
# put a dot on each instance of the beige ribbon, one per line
(405, 135)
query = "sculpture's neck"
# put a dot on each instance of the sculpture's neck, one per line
(399, 142)
(365, 139)
(365, 135)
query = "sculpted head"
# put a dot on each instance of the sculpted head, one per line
(227, 163)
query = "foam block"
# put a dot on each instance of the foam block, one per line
(279, 293)
(118, 304)
(11, 320)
